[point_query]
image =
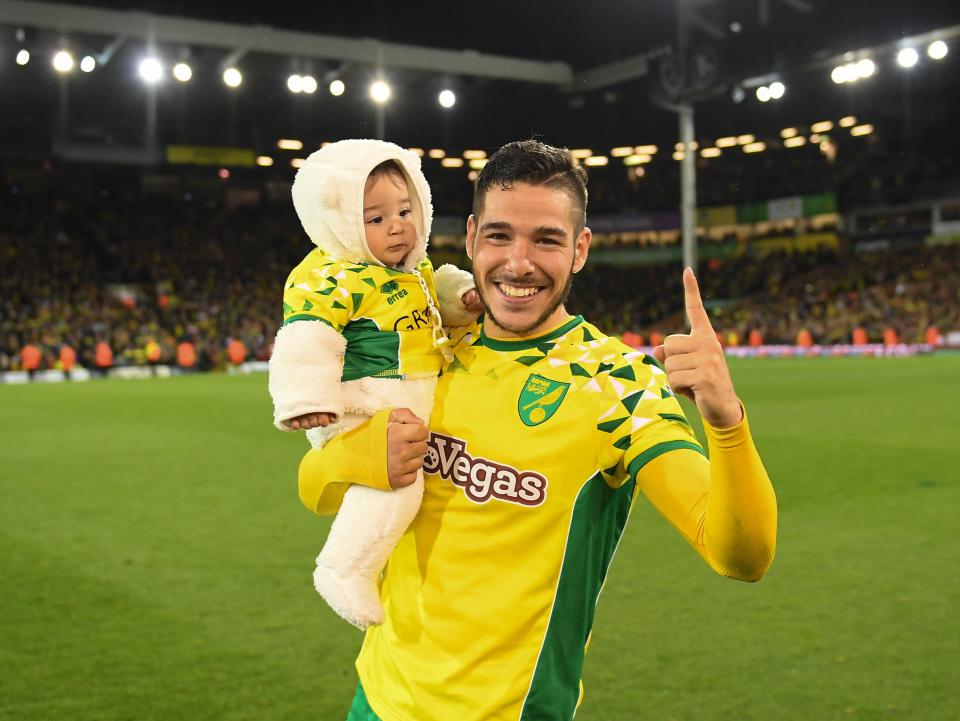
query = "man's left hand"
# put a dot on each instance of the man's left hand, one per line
(696, 366)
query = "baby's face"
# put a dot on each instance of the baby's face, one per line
(388, 219)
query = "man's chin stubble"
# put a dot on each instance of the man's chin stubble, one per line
(523, 330)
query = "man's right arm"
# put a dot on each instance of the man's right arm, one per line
(384, 452)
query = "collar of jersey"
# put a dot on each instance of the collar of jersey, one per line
(526, 343)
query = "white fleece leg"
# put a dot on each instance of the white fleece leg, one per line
(368, 525)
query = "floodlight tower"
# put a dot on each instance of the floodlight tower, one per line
(688, 167)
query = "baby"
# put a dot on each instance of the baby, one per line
(363, 332)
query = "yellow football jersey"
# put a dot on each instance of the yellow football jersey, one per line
(382, 312)
(530, 478)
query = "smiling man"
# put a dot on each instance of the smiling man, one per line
(544, 433)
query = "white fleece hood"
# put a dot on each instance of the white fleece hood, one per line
(328, 197)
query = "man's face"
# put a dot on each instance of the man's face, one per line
(524, 253)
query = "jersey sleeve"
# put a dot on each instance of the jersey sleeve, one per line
(357, 456)
(725, 507)
(317, 290)
(639, 419)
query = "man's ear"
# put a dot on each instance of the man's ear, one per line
(582, 249)
(471, 234)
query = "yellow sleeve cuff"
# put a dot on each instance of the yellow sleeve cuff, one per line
(357, 456)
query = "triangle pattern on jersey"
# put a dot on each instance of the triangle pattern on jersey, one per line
(631, 401)
(611, 426)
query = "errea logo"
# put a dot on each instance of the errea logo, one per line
(482, 479)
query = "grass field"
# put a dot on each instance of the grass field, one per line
(156, 561)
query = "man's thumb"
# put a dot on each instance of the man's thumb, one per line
(660, 354)
(403, 415)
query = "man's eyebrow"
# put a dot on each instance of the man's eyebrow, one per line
(550, 230)
(496, 225)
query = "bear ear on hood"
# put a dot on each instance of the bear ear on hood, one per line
(328, 193)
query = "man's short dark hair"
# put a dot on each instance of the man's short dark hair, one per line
(535, 163)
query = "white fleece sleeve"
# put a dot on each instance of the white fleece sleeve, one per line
(451, 284)
(305, 370)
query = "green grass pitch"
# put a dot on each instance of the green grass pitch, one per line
(156, 561)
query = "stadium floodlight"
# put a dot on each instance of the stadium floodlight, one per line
(289, 144)
(763, 94)
(742, 139)
(865, 68)
(337, 87)
(645, 150)
(795, 142)
(478, 163)
(452, 162)
(907, 57)
(474, 154)
(788, 133)
(437, 153)
(182, 72)
(296, 162)
(848, 121)
(726, 142)
(380, 92)
(711, 153)
(596, 160)
(232, 77)
(88, 64)
(264, 161)
(937, 50)
(824, 126)
(581, 153)
(678, 155)
(150, 70)
(757, 147)
(447, 98)
(63, 61)
(309, 84)
(295, 84)
(622, 151)
(637, 159)
(23, 57)
(419, 152)
(777, 89)
(864, 129)
(840, 75)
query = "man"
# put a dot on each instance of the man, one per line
(543, 434)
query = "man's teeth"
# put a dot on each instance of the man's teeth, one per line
(515, 292)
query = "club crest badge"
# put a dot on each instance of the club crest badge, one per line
(540, 399)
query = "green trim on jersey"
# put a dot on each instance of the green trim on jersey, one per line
(497, 344)
(360, 708)
(370, 352)
(658, 450)
(302, 316)
(599, 516)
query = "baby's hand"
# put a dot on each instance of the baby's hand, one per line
(471, 301)
(311, 420)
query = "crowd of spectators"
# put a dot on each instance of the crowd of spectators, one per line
(86, 265)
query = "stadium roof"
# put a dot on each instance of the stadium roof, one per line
(604, 47)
